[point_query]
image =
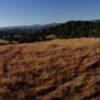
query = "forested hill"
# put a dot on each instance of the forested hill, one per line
(71, 29)
(74, 29)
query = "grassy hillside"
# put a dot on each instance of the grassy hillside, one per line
(58, 69)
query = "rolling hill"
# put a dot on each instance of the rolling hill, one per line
(52, 70)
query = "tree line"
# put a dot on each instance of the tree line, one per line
(71, 29)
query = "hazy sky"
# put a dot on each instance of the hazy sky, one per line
(27, 12)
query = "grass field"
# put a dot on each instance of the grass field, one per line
(57, 69)
(3, 42)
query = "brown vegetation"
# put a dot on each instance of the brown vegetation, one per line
(3, 42)
(59, 69)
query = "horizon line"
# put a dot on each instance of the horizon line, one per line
(27, 25)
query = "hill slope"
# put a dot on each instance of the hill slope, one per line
(60, 69)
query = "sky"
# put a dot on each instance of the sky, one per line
(29, 12)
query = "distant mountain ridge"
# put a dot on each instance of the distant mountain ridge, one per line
(39, 27)
(33, 27)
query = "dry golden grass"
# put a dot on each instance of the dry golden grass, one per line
(57, 69)
(3, 42)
